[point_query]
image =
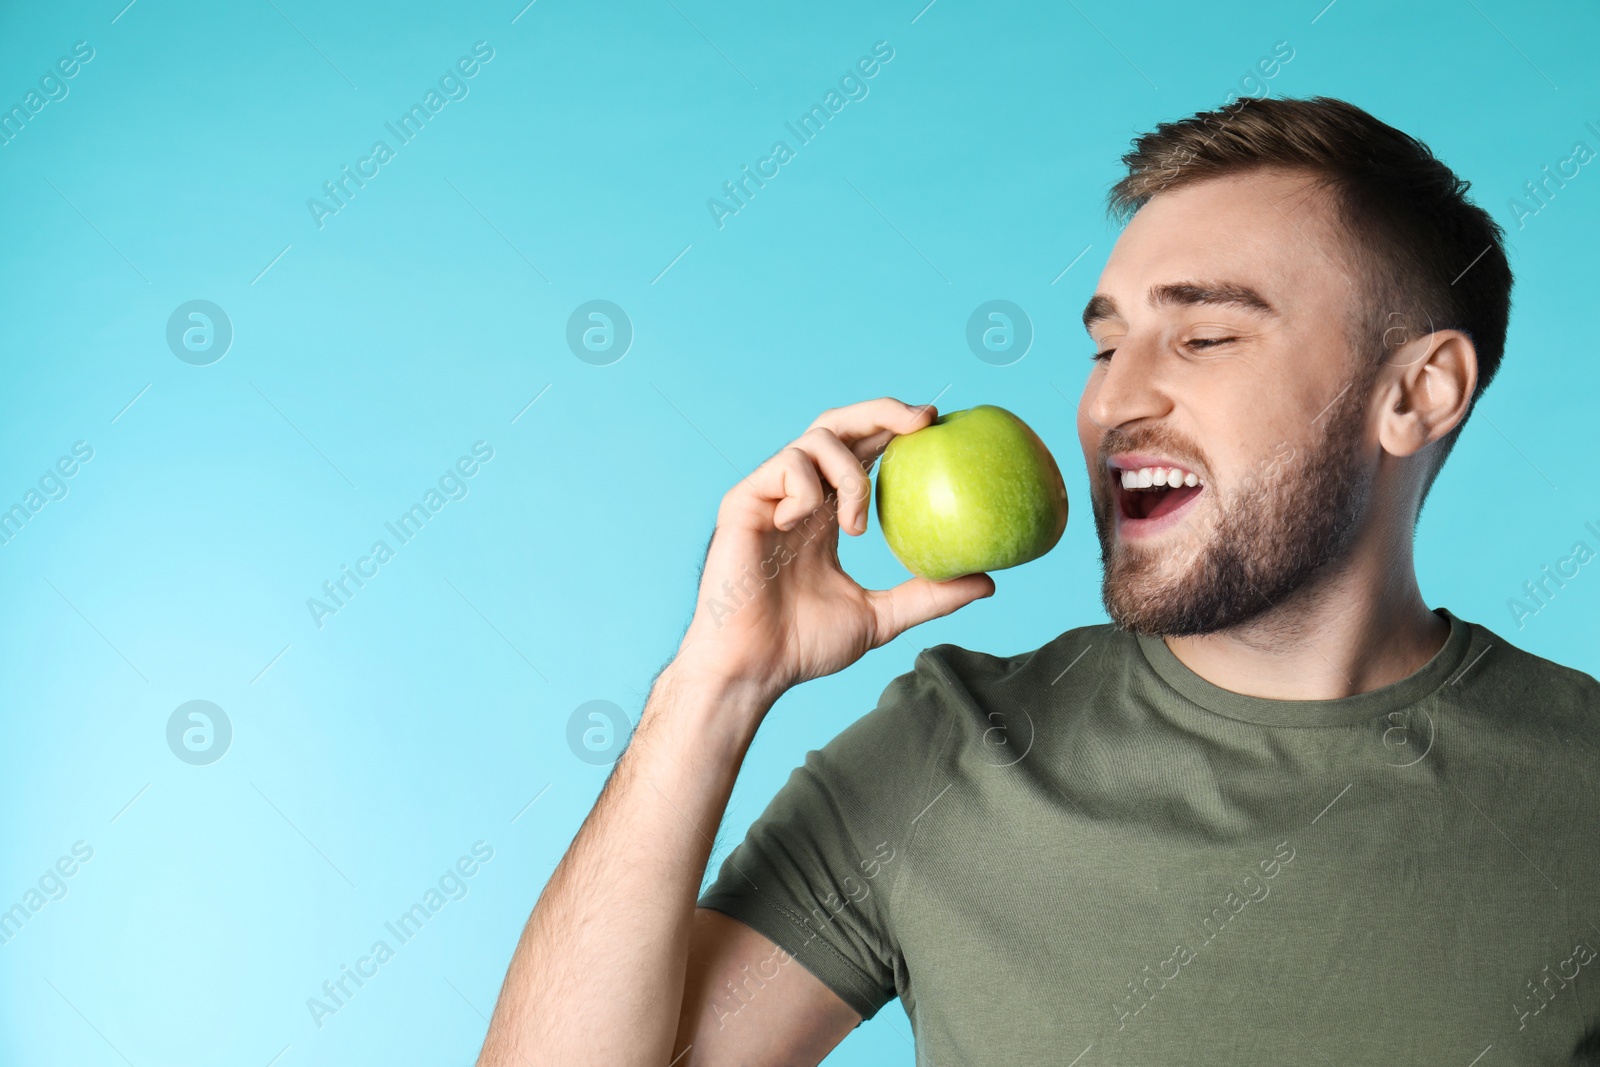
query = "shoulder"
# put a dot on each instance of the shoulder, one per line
(1527, 685)
(951, 689)
(953, 705)
(979, 673)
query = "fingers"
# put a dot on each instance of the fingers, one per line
(833, 455)
(917, 600)
(843, 471)
(866, 428)
(797, 479)
(789, 479)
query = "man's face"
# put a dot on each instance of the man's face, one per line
(1226, 308)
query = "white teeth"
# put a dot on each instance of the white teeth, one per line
(1148, 477)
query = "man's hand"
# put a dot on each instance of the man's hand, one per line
(775, 608)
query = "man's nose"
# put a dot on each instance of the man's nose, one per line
(1130, 388)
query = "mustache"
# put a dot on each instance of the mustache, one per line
(1155, 439)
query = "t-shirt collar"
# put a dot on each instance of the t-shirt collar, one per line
(1343, 711)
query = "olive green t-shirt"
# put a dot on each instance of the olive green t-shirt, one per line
(1088, 855)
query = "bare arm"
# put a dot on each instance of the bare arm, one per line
(746, 1001)
(616, 966)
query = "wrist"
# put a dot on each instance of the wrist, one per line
(711, 701)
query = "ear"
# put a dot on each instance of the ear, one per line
(1429, 387)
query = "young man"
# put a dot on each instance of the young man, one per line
(1277, 810)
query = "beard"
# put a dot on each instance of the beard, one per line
(1291, 519)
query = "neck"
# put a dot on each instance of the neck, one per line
(1359, 626)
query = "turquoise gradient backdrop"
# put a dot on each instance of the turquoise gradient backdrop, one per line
(370, 352)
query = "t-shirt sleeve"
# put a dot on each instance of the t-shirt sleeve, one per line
(815, 872)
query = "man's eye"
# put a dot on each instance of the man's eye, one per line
(1208, 342)
(1102, 355)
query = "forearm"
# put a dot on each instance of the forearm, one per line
(598, 974)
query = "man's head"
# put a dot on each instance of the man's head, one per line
(1298, 317)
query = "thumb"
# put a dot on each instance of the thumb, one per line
(917, 600)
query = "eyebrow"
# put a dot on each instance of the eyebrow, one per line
(1184, 294)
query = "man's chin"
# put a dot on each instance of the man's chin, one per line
(1138, 616)
(1152, 621)
(1162, 591)
(1137, 599)
(1172, 606)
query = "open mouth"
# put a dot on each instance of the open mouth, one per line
(1146, 494)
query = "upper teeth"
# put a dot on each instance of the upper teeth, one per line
(1145, 477)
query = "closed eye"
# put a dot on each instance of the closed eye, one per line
(1196, 343)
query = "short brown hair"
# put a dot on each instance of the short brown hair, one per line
(1433, 259)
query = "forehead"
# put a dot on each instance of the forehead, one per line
(1273, 231)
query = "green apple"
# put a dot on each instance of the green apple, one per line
(974, 490)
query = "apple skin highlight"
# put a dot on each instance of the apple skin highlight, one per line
(975, 490)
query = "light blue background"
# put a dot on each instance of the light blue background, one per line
(369, 754)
